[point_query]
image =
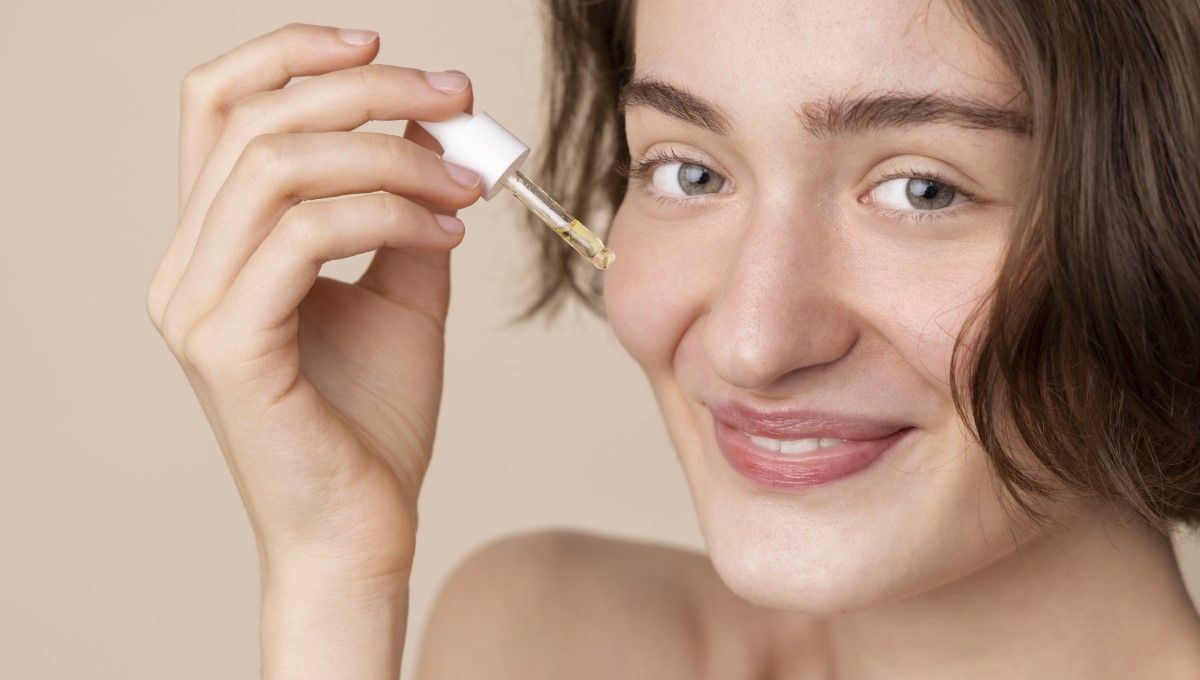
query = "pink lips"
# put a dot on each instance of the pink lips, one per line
(800, 424)
(870, 439)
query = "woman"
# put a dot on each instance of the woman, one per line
(914, 284)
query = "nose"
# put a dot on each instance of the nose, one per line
(781, 310)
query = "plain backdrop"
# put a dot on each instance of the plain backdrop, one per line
(124, 549)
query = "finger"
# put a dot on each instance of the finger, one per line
(283, 269)
(393, 272)
(419, 135)
(341, 100)
(346, 99)
(275, 173)
(267, 62)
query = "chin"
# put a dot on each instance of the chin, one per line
(917, 519)
(810, 569)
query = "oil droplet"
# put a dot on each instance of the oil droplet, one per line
(603, 258)
(588, 244)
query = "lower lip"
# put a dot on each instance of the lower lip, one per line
(784, 471)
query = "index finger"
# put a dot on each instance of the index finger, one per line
(267, 62)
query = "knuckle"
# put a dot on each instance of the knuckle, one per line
(399, 151)
(264, 153)
(368, 82)
(366, 77)
(293, 31)
(399, 215)
(391, 209)
(300, 230)
(201, 349)
(293, 27)
(247, 112)
(174, 330)
(197, 86)
(155, 302)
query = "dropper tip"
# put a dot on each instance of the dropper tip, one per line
(603, 258)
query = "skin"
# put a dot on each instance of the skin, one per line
(791, 286)
(329, 451)
(799, 282)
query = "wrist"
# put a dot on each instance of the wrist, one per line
(299, 566)
(323, 621)
(307, 575)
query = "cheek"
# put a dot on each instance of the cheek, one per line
(922, 299)
(654, 289)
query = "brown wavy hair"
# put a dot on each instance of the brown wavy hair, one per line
(1090, 350)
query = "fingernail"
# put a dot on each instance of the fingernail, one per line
(464, 176)
(451, 225)
(449, 82)
(356, 36)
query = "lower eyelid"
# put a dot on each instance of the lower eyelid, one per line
(949, 212)
(673, 202)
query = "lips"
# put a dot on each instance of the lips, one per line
(800, 423)
(868, 440)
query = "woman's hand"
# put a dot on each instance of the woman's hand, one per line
(323, 395)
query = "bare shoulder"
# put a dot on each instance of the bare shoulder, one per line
(561, 603)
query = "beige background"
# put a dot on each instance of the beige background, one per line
(125, 551)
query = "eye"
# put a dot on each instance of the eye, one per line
(687, 179)
(916, 193)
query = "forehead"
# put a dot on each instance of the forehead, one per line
(757, 57)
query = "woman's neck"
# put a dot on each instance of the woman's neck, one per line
(1095, 601)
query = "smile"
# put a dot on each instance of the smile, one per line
(805, 462)
(794, 445)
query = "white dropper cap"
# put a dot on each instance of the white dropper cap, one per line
(480, 143)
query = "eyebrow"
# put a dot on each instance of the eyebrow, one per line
(673, 101)
(836, 115)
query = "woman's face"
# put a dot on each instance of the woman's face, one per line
(848, 175)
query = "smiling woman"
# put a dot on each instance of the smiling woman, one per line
(1091, 351)
(915, 285)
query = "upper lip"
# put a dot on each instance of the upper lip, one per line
(794, 423)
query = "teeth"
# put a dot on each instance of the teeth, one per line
(795, 445)
(800, 445)
(765, 442)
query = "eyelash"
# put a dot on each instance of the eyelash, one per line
(639, 170)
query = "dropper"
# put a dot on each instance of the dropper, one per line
(480, 143)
